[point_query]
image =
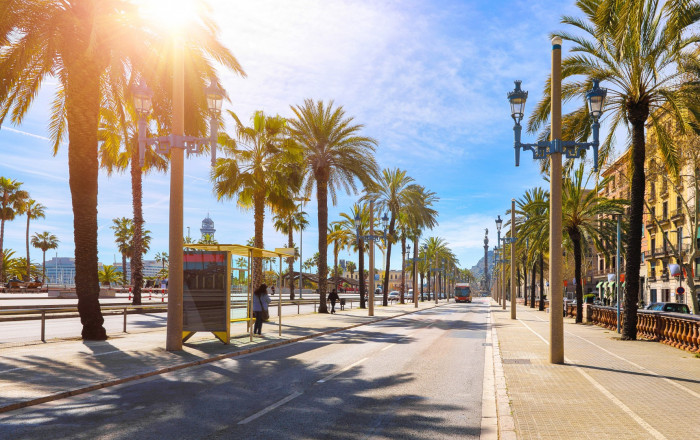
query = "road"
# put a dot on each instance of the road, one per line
(416, 376)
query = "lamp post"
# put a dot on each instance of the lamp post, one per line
(499, 224)
(554, 150)
(496, 272)
(504, 284)
(371, 238)
(175, 144)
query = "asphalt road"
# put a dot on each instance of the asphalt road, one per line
(416, 376)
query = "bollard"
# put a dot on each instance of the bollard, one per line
(43, 326)
(314, 306)
(162, 297)
(124, 319)
(297, 307)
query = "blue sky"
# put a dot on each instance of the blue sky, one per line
(428, 79)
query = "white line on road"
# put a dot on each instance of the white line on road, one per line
(270, 408)
(626, 409)
(387, 347)
(327, 378)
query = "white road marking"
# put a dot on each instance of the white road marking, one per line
(387, 347)
(270, 408)
(636, 365)
(327, 378)
(656, 434)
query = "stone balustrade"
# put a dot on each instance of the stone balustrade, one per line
(674, 329)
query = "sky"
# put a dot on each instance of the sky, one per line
(427, 79)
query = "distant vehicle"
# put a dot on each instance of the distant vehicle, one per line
(393, 295)
(463, 293)
(669, 307)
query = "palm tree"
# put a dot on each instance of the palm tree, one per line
(420, 215)
(44, 241)
(335, 154)
(358, 245)
(533, 207)
(587, 216)
(286, 222)
(393, 191)
(207, 239)
(162, 257)
(92, 44)
(33, 210)
(123, 230)
(339, 238)
(350, 265)
(259, 172)
(108, 275)
(642, 50)
(11, 201)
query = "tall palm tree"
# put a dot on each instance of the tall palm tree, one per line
(393, 191)
(335, 154)
(533, 207)
(347, 223)
(11, 200)
(33, 210)
(641, 50)
(339, 238)
(587, 216)
(420, 215)
(286, 222)
(263, 168)
(88, 41)
(123, 235)
(44, 241)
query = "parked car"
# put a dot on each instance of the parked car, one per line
(393, 295)
(669, 307)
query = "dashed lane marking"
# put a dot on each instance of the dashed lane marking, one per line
(270, 408)
(329, 377)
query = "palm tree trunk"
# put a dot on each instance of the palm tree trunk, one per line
(259, 215)
(525, 281)
(124, 269)
(335, 265)
(43, 268)
(29, 215)
(361, 271)
(532, 285)
(403, 268)
(2, 239)
(290, 261)
(385, 295)
(575, 236)
(82, 95)
(137, 253)
(421, 287)
(414, 275)
(322, 200)
(541, 307)
(638, 114)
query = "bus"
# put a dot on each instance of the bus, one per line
(463, 293)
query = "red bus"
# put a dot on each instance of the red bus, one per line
(463, 293)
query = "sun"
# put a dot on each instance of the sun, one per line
(174, 15)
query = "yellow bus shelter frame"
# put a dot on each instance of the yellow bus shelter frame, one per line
(251, 252)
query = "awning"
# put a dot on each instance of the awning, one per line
(611, 284)
(600, 283)
(242, 251)
(624, 283)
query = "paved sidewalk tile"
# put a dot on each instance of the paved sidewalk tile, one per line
(608, 388)
(56, 369)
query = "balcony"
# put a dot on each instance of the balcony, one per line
(652, 276)
(665, 276)
(664, 220)
(677, 214)
(650, 223)
(652, 197)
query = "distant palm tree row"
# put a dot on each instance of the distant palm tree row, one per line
(15, 201)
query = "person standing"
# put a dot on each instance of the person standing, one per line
(333, 297)
(261, 301)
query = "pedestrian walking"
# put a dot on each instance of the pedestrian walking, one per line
(333, 297)
(261, 301)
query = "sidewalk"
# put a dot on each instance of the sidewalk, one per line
(608, 388)
(35, 374)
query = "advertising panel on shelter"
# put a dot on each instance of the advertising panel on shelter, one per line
(206, 299)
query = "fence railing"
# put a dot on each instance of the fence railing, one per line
(674, 329)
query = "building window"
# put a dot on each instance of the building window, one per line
(679, 202)
(665, 210)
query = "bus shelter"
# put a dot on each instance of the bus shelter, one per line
(207, 287)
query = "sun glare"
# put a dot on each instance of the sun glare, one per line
(172, 14)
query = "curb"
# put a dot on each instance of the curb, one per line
(506, 422)
(110, 383)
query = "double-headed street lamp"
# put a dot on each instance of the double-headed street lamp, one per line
(499, 224)
(553, 149)
(175, 144)
(371, 238)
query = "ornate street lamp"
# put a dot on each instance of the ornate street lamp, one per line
(553, 149)
(371, 237)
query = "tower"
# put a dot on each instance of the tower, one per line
(208, 227)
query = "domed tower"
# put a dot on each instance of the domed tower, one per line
(208, 227)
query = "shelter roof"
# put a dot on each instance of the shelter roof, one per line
(241, 250)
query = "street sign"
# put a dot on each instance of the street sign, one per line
(680, 290)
